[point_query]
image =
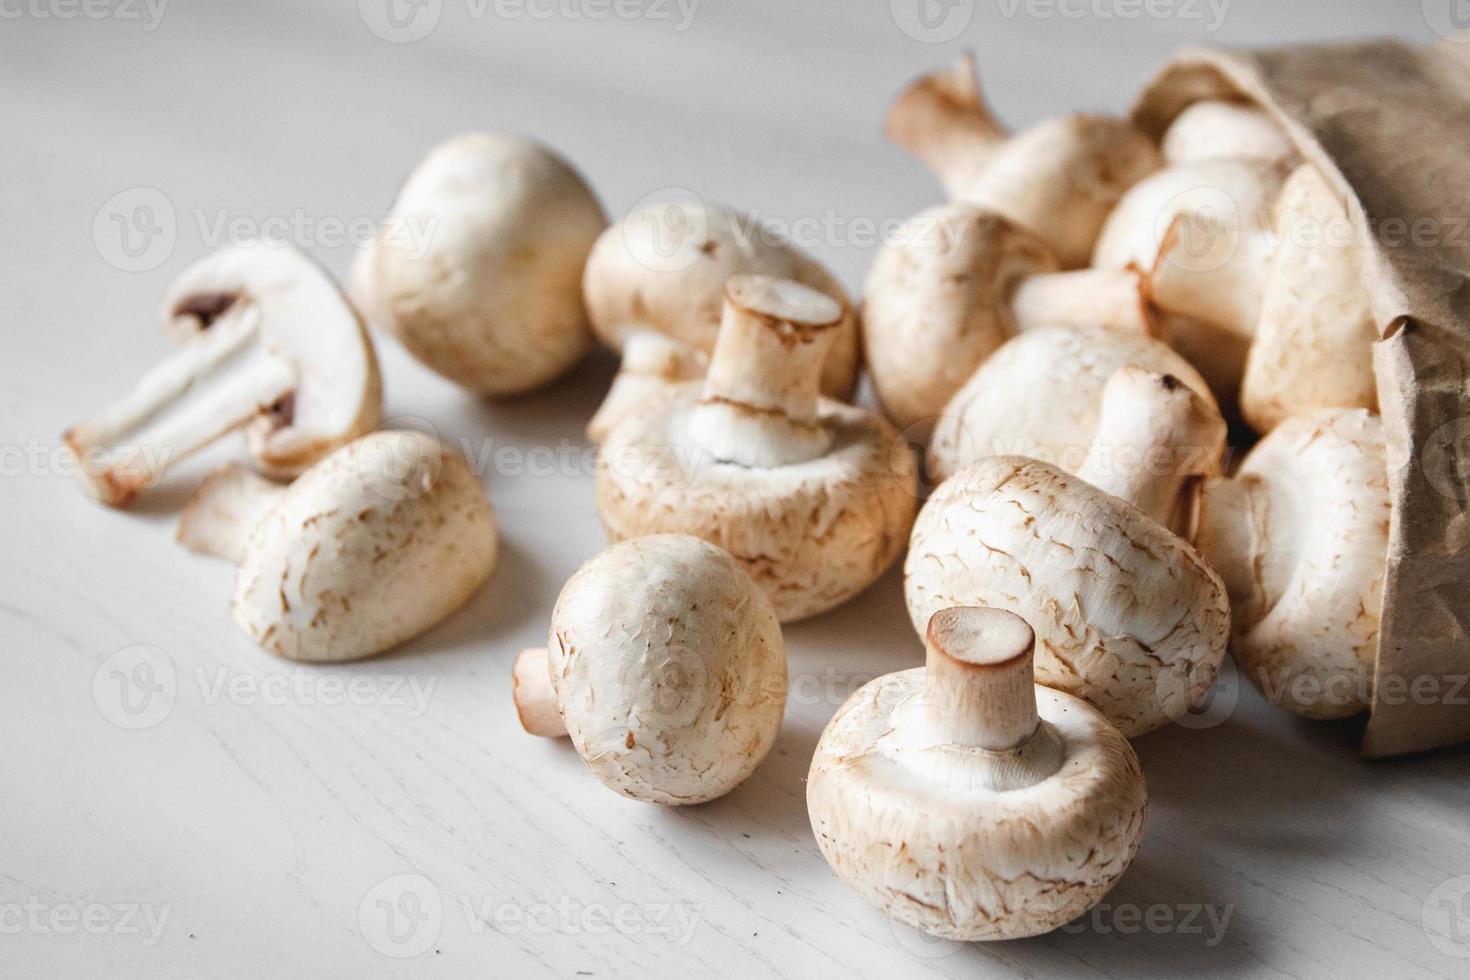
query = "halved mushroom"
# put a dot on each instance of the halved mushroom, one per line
(370, 547)
(1041, 395)
(663, 269)
(814, 497)
(1128, 616)
(478, 268)
(966, 801)
(958, 282)
(1300, 538)
(666, 667)
(1217, 129)
(1058, 179)
(276, 344)
(1313, 347)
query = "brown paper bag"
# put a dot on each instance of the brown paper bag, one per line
(1389, 124)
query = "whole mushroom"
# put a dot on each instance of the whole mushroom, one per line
(1220, 129)
(1058, 179)
(478, 268)
(663, 269)
(270, 343)
(370, 547)
(814, 497)
(1041, 395)
(666, 667)
(966, 801)
(1300, 537)
(1128, 616)
(956, 283)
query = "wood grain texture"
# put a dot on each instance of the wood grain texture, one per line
(261, 824)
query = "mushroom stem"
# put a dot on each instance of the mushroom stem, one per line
(652, 362)
(1156, 438)
(979, 689)
(534, 696)
(224, 510)
(943, 120)
(759, 405)
(1212, 270)
(1085, 297)
(214, 384)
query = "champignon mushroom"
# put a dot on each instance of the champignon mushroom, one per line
(368, 548)
(276, 344)
(652, 364)
(663, 269)
(1041, 395)
(1128, 616)
(957, 282)
(814, 497)
(1216, 129)
(478, 268)
(666, 667)
(1058, 179)
(1313, 347)
(1300, 538)
(964, 800)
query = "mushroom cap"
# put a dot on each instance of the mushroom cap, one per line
(669, 668)
(1127, 615)
(1041, 395)
(370, 547)
(936, 304)
(1303, 553)
(304, 318)
(812, 534)
(664, 268)
(1215, 129)
(1061, 178)
(953, 857)
(491, 298)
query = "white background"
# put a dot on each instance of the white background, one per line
(260, 827)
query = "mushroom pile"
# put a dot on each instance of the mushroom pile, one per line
(1064, 338)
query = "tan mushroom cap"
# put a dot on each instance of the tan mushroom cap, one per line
(478, 269)
(663, 269)
(669, 668)
(268, 342)
(1300, 538)
(1041, 394)
(371, 547)
(1127, 614)
(964, 801)
(814, 497)
(1216, 129)
(1058, 179)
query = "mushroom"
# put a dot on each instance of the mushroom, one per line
(958, 282)
(368, 548)
(665, 664)
(1058, 179)
(1313, 347)
(1218, 129)
(813, 496)
(663, 269)
(1300, 538)
(964, 800)
(1041, 395)
(1204, 229)
(652, 363)
(478, 268)
(1128, 616)
(279, 348)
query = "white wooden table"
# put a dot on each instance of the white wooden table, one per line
(176, 802)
